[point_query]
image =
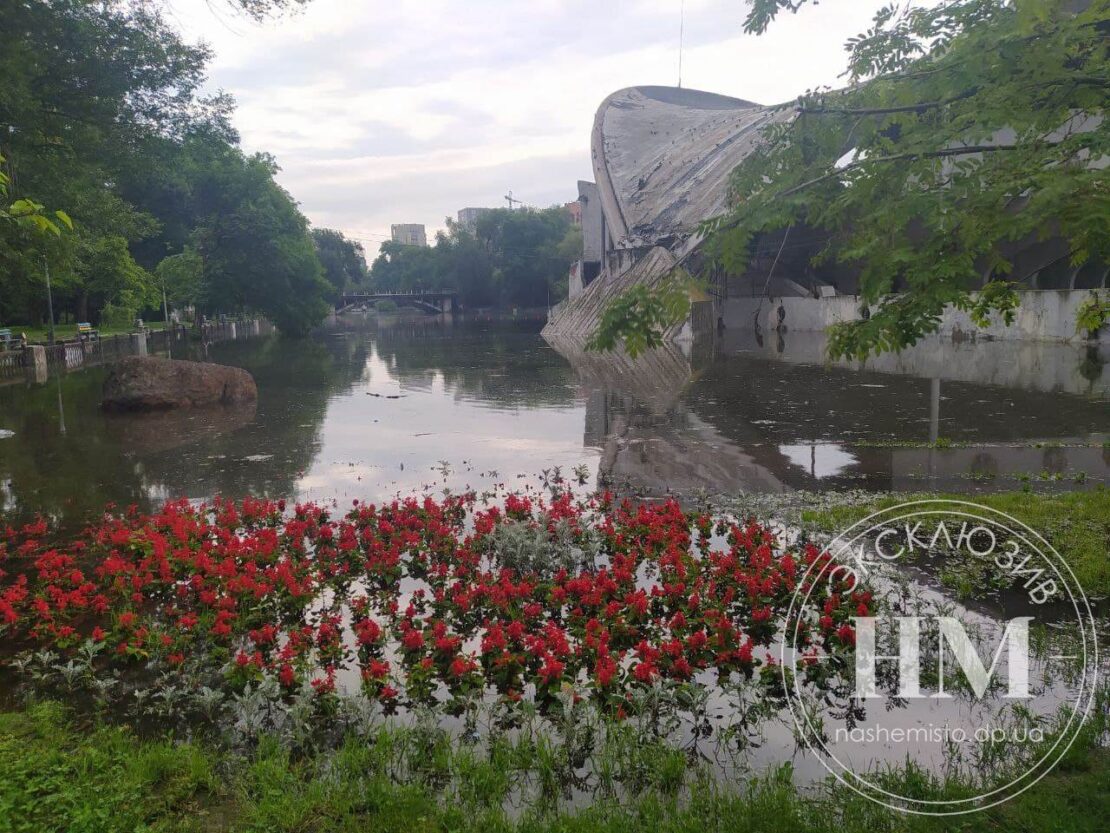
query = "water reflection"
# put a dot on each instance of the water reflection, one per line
(368, 411)
(768, 416)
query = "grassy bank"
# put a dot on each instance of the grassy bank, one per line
(55, 776)
(68, 332)
(1077, 524)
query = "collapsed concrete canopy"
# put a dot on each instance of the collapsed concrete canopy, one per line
(662, 158)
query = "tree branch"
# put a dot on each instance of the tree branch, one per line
(880, 111)
(898, 157)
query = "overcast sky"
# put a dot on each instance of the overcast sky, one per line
(405, 111)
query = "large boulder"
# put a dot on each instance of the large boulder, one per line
(148, 383)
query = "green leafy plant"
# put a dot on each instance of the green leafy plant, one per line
(638, 318)
(27, 213)
(1092, 314)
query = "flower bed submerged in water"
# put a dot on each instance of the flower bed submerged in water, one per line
(422, 601)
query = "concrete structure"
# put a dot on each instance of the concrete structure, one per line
(592, 221)
(468, 218)
(1043, 315)
(34, 362)
(575, 211)
(662, 158)
(409, 234)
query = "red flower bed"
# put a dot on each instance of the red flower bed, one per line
(418, 597)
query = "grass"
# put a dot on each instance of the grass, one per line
(1077, 524)
(67, 332)
(57, 776)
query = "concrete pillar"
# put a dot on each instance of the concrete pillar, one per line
(138, 344)
(34, 363)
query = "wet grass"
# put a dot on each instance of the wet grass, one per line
(1077, 524)
(56, 776)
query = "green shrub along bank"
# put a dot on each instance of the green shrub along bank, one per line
(1077, 524)
(58, 775)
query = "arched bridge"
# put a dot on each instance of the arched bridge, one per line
(431, 301)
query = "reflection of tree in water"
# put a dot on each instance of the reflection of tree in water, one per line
(295, 381)
(139, 458)
(66, 474)
(501, 362)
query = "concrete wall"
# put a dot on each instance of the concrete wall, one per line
(574, 280)
(1044, 315)
(593, 221)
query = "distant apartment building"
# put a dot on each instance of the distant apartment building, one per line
(468, 218)
(575, 211)
(409, 234)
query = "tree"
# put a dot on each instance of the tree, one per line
(101, 111)
(761, 13)
(344, 260)
(968, 127)
(514, 258)
(255, 246)
(529, 270)
(183, 277)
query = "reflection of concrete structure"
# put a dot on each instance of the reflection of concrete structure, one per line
(771, 417)
(409, 234)
(468, 218)
(649, 441)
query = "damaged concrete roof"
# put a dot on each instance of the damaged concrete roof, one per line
(662, 158)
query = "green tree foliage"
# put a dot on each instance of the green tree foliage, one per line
(969, 127)
(514, 258)
(344, 260)
(100, 112)
(761, 13)
(182, 275)
(262, 9)
(255, 246)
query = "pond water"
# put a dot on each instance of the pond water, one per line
(368, 410)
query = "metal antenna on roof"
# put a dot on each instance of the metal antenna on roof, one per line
(681, 36)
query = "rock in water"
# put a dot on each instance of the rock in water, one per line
(148, 383)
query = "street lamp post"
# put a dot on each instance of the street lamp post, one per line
(166, 319)
(49, 297)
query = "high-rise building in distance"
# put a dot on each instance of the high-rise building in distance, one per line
(409, 234)
(468, 218)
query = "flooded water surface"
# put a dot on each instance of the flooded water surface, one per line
(368, 410)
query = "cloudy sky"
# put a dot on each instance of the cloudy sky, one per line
(407, 110)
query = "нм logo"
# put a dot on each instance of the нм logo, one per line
(1015, 640)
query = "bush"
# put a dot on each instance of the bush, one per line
(117, 316)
